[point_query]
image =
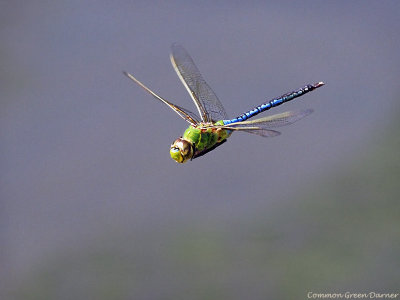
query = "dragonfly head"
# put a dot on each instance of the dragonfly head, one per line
(181, 150)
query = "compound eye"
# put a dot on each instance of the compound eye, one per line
(174, 149)
(181, 150)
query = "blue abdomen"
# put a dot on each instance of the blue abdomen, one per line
(274, 102)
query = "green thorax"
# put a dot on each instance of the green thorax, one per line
(204, 136)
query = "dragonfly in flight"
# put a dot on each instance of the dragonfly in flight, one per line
(212, 127)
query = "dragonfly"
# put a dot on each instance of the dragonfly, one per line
(212, 126)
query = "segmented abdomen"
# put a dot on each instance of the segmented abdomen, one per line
(274, 102)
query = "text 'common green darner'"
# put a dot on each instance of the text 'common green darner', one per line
(214, 127)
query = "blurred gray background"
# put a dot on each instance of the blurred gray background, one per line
(93, 207)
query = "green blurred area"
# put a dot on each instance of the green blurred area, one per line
(342, 235)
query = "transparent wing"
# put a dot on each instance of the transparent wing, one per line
(275, 121)
(207, 103)
(261, 126)
(264, 132)
(260, 131)
(183, 113)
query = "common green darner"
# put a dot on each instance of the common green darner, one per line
(214, 127)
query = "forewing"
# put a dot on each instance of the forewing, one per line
(207, 103)
(182, 112)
